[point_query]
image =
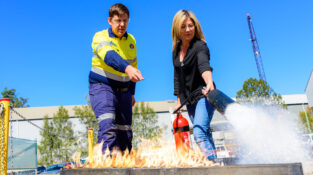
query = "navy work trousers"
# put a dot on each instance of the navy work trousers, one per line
(113, 110)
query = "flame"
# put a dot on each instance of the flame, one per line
(150, 154)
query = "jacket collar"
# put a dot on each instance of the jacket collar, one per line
(190, 44)
(177, 48)
(111, 34)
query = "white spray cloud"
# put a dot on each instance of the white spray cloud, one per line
(266, 134)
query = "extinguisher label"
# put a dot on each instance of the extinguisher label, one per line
(182, 129)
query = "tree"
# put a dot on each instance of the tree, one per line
(307, 119)
(58, 143)
(88, 119)
(46, 144)
(62, 127)
(144, 123)
(18, 102)
(253, 88)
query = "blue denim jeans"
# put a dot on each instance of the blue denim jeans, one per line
(201, 115)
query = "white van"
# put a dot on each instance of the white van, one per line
(222, 152)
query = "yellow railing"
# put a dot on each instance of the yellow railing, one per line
(4, 133)
(90, 145)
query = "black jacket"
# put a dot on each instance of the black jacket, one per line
(187, 74)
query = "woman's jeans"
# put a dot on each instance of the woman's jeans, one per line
(201, 115)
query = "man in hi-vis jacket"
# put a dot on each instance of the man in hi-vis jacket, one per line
(112, 80)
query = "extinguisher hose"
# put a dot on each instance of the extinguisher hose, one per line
(187, 99)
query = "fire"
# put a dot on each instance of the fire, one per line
(150, 154)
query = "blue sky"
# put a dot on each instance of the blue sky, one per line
(45, 46)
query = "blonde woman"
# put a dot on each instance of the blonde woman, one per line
(192, 72)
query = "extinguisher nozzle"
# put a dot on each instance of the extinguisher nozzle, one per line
(219, 100)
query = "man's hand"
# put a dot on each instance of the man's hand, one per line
(134, 74)
(133, 100)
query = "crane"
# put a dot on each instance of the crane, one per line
(256, 50)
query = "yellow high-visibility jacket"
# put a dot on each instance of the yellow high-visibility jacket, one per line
(111, 56)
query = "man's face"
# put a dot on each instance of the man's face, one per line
(119, 24)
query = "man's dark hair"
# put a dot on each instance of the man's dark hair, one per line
(118, 9)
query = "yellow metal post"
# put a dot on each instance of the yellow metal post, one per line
(90, 145)
(4, 133)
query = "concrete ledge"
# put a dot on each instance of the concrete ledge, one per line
(259, 169)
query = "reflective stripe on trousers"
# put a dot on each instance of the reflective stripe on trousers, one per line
(112, 116)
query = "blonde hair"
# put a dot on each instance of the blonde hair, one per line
(178, 20)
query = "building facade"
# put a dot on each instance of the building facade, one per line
(309, 90)
(30, 128)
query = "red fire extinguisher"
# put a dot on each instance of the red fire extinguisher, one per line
(181, 133)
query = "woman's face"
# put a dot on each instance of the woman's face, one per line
(187, 30)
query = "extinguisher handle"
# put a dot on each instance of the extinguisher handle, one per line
(177, 110)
